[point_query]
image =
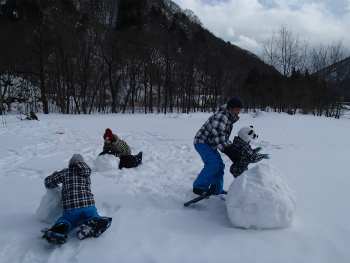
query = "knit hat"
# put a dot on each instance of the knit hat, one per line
(235, 102)
(108, 134)
(76, 158)
(247, 134)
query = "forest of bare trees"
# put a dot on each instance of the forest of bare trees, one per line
(296, 60)
(80, 57)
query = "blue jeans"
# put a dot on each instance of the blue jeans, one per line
(213, 171)
(76, 216)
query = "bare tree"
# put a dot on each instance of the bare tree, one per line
(318, 58)
(325, 62)
(285, 51)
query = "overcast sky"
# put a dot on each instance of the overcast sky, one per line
(247, 23)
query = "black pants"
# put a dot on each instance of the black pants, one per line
(130, 161)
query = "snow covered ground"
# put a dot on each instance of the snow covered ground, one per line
(150, 223)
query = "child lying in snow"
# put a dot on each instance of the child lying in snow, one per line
(119, 148)
(78, 203)
(242, 154)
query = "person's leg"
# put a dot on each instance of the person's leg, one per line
(212, 167)
(58, 232)
(89, 213)
(70, 217)
(94, 225)
(220, 175)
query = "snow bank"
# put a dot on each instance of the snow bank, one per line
(50, 206)
(261, 198)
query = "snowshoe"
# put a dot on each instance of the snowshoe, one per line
(204, 194)
(53, 237)
(94, 228)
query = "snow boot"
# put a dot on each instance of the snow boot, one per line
(94, 228)
(139, 157)
(197, 191)
(204, 194)
(56, 234)
(207, 192)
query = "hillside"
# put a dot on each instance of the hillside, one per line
(116, 56)
(338, 76)
(165, 18)
(107, 56)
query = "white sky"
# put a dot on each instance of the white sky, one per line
(247, 23)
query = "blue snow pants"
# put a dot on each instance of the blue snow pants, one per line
(77, 216)
(213, 171)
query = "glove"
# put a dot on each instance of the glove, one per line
(106, 152)
(257, 150)
(266, 156)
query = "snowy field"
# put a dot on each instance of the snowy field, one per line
(150, 223)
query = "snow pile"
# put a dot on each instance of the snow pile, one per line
(261, 198)
(50, 206)
(106, 162)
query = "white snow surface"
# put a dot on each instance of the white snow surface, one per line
(150, 223)
(261, 198)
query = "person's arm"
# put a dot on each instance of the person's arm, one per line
(253, 157)
(56, 178)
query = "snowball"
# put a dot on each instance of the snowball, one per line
(106, 162)
(261, 198)
(50, 208)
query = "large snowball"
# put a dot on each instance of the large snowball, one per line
(106, 162)
(261, 198)
(50, 208)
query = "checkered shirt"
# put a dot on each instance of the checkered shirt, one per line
(76, 186)
(217, 130)
(246, 156)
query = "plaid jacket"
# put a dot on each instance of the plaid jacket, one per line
(117, 148)
(244, 154)
(76, 186)
(217, 130)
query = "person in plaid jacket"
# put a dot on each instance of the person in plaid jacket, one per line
(242, 153)
(213, 136)
(77, 201)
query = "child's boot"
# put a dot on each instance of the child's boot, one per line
(56, 234)
(139, 157)
(94, 228)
